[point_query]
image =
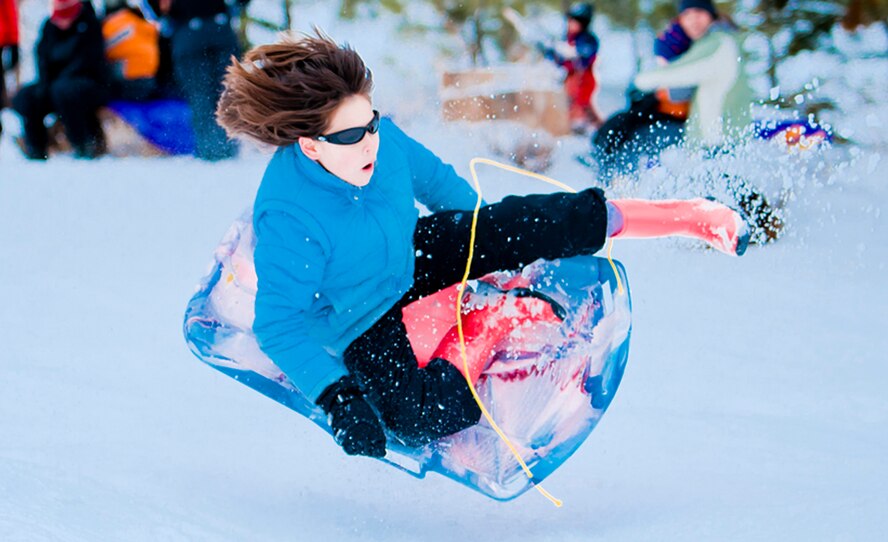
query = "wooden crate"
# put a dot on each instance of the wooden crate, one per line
(489, 95)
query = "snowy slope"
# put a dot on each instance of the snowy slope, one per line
(753, 407)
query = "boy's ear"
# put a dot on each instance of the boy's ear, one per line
(309, 147)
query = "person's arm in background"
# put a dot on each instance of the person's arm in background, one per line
(561, 53)
(669, 46)
(290, 259)
(707, 59)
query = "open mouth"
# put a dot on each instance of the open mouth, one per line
(368, 167)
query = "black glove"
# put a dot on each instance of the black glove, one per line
(355, 425)
(12, 56)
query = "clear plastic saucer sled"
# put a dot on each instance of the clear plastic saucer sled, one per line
(547, 383)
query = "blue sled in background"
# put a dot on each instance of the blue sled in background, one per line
(164, 123)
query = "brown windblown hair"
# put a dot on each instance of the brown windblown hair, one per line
(289, 89)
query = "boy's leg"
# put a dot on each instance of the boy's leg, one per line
(421, 405)
(710, 221)
(418, 405)
(520, 230)
(510, 234)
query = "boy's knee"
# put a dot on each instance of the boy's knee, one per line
(436, 404)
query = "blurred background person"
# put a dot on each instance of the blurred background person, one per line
(9, 48)
(132, 50)
(714, 67)
(577, 54)
(697, 94)
(71, 82)
(202, 42)
(720, 117)
(653, 120)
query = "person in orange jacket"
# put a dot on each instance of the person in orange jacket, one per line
(9, 46)
(132, 50)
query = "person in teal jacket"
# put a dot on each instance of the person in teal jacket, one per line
(341, 248)
(715, 67)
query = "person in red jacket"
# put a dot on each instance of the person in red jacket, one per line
(9, 47)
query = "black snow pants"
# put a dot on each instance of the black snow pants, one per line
(201, 50)
(76, 101)
(422, 405)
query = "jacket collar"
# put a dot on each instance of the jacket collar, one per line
(315, 173)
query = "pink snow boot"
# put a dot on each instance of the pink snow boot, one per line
(720, 226)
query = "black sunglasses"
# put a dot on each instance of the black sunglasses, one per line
(352, 135)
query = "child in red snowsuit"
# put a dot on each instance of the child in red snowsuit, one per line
(577, 55)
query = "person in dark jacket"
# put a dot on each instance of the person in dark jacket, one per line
(9, 47)
(202, 42)
(653, 120)
(71, 81)
(341, 249)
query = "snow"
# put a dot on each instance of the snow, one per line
(753, 406)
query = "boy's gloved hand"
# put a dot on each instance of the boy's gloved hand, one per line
(355, 425)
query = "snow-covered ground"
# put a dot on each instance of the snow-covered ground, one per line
(753, 407)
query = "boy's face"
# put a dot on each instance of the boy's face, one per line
(355, 163)
(695, 22)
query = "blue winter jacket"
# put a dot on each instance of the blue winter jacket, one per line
(332, 258)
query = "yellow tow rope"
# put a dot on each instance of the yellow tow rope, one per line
(462, 289)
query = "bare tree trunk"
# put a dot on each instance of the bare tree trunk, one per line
(772, 51)
(772, 64)
(477, 47)
(242, 30)
(637, 28)
(636, 53)
(288, 21)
